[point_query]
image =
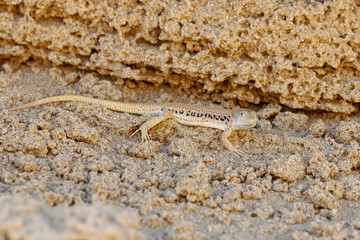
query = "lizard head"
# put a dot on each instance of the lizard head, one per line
(244, 119)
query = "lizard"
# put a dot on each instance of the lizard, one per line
(193, 115)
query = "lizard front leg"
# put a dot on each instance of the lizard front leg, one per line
(151, 123)
(224, 140)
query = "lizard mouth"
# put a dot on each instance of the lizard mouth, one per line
(247, 126)
(250, 125)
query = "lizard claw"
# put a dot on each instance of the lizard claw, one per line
(135, 132)
(144, 134)
(236, 150)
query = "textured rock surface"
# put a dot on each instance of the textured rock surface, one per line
(300, 54)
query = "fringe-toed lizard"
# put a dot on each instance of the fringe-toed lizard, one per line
(194, 115)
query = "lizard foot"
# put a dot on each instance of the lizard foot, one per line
(144, 134)
(135, 132)
(236, 150)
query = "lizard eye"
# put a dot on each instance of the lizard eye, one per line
(241, 114)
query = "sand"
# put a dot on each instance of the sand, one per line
(73, 170)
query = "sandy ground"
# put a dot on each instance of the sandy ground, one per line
(72, 171)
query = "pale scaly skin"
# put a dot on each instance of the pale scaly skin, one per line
(194, 115)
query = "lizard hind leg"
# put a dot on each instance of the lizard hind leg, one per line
(149, 124)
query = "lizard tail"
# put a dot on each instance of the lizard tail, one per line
(112, 105)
